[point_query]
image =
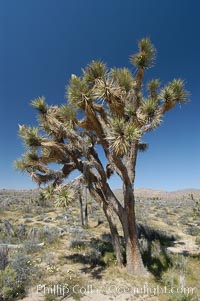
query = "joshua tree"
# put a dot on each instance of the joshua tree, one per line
(98, 132)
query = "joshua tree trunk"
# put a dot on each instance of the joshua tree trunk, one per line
(133, 256)
(115, 236)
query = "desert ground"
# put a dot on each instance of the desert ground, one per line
(46, 254)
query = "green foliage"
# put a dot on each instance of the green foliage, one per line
(108, 91)
(16, 278)
(30, 135)
(177, 87)
(153, 87)
(30, 246)
(67, 114)
(146, 55)
(78, 92)
(149, 107)
(63, 197)
(49, 235)
(174, 91)
(40, 105)
(9, 284)
(78, 245)
(123, 77)
(167, 95)
(122, 134)
(93, 71)
(109, 258)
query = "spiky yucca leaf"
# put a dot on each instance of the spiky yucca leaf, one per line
(27, 165)
(30, 135)
(107, 91)
(149, 107)
(20, 165)
(40, 104)
(120, 145)
(67, 113)
(146, 56)
(178, 89)
(48, 192)
(63, 196)
(78, 92)
(153, 87)
(166, 95)
(130, 110)
(122, 135)
(31, 156)
(117, 140)
(123, 77)
(174, 92)
(94, 70)
(131, 132)
(112, 93)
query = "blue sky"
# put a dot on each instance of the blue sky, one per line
(42, 42)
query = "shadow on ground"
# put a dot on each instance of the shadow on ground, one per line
(96, 255)
(153, 245)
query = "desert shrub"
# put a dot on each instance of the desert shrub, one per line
(192, 230)
(9, 285)
(49, 235)
(106, 237)
(182, 297)
(17, 276)
(179, 263)
(109, 258)
(24, 268)
(78, 245)
(30, 246)
(170, 278)
(102, 246)
(176, 274)
(3, 257)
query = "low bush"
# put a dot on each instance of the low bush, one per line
(18, 275)
(49, 235)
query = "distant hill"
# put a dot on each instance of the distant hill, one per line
(147, 193)
(141, 193)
